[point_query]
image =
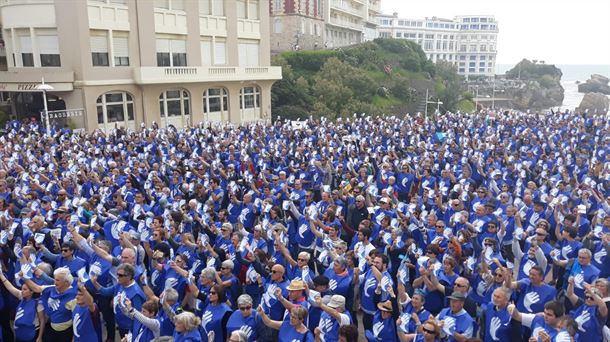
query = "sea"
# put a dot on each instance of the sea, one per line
(572, 73)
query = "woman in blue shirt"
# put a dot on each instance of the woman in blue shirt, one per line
(187, 325)
(26, 319)
(290, 329)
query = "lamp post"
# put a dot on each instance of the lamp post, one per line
(44, 88)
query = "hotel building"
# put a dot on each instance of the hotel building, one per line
(467, 41)
(128, 62)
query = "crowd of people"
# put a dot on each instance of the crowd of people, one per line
(492, 226)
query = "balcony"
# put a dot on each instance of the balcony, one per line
(160, 75)
(345, 24)
(249, 29)
(170, 21)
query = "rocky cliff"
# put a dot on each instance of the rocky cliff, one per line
(539, 88)
(594, 102)
(596, 84)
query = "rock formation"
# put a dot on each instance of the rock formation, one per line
(594, 102)
(596, 84)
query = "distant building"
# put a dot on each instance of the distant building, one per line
(128, 62)
(319, 24)
(467, 41)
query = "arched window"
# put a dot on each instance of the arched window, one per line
(250, 103)
(115, 107)
(174, 108)
(216, 104)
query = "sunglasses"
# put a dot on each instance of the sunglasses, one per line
(303, 260)
(65, 250)
(121, 275)
(589, 297)
(245, 308)
(428, 331)
(459, 285)
(213, 292)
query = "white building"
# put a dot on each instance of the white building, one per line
(467, 41)
(132, 62)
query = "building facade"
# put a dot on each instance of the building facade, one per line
(318, 24)
(467, 41)
(128, 62)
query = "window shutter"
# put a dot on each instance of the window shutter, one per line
(25, 43)
(206, 52)
(120, 46)
(162, 45)
(99, 44)
(178, 46)
(220, 57)
(48, 45)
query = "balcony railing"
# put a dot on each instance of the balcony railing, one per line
(157, 75)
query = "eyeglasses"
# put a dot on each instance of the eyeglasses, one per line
(498, 274)
(213, 292)
(245, 308)
(65, 250)
(121, 275)
(440, 226)
(489, 244)
(459, 285)
(428, 331)
(275, 271)
(303, 260)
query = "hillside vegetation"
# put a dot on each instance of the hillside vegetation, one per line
(384, 76)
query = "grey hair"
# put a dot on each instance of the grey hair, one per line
(606, 285)
(188, 319)
(585, 251)
(341, 261)
(244, 300)
(241, 335)
(171, 295)
(65, 274)
(507, 292)
(46, 268)
(208, 273)
(228, 264)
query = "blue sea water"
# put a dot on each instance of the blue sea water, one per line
(571, 74)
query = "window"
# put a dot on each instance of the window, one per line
(212, 7)
(174, 5)
(249, 97)
(99, 48)
(463, 48)
(27, 57)
(483, 48)
(114, 107)
(174, 103)
(277, 25)
(471, 70)
(466, 20)
(473, 48)
(428, 44)
(473, 58)
(48, 45)
(247, 9)
(248, 52)
(213, 51)
(120, 47)
(398, 34)
(472, 64)
(171, 52)
(462, 58)
(215, 100)
(482, 58)
(277, 5)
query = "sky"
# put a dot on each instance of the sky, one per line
(555, 31)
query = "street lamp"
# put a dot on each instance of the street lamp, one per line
(44, 88)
